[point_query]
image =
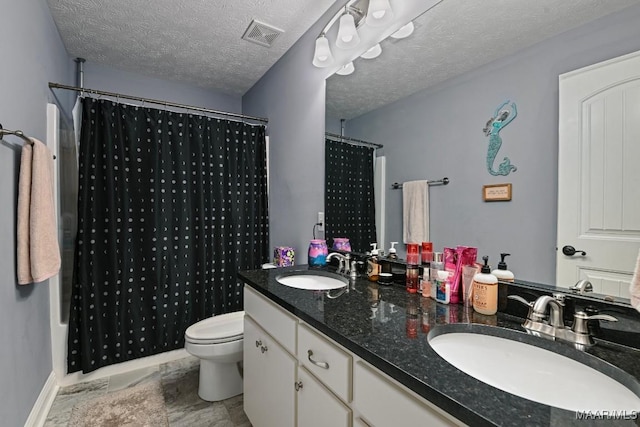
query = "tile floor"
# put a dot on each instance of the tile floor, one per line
(180, 385)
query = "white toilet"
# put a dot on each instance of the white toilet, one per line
(217, 342)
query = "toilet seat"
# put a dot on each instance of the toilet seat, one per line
(217, 329)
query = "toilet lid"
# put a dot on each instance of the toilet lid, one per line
(217, 329)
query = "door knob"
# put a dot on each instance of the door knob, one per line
(569, 250)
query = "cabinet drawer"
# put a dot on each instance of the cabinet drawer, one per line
(274, 320)
(382, 402)
(325, 360)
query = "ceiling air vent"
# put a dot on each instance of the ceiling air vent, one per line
(262, 34)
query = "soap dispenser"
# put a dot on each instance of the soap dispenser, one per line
(503, 275)
(392, 251)
(373, 266)
(485, 290)
(501, 272)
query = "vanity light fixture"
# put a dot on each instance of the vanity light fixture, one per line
(373, 52)
(347, 35)
(346, 69)
(322, 56)
(350, 19)
(404, 31)
(379, 13)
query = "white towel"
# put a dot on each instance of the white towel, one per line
(38, 251)
(415, 211)
(634, 288)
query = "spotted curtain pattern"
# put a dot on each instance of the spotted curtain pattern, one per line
(349, 194)
(170, 206)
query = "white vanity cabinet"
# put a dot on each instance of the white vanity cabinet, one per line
(317, 406)
(296, 376)
(269, 375)
(279, 389)
(383, 402)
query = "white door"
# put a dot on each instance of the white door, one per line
(599, 175)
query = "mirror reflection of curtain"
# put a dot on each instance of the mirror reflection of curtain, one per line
(170, 207)
(349, 194)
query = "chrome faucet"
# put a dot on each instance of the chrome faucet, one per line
(556, 310)
(552, 324)
(582, 286)
(343, 266)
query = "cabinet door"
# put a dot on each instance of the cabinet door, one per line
(269, 377)
(317, 406)
(384, 403)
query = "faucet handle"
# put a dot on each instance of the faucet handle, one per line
(521, 300)
(580, 319)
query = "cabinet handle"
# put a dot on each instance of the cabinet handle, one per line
(258, 343)
(323, 365)
(263, 348)
(298, 385)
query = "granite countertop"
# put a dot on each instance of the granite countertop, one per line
(388, 327)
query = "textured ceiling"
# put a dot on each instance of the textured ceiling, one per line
(193, 41)
(199, 41)
(454, 37)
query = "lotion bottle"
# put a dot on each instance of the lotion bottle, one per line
(436, 265)
(373, 267)
(443, 287)
(392, 251)
(485, 290)
(503, 275)
(501, 272)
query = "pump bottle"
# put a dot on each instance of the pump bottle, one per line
(485, 290)
(503, 275)
(392, 251)
(501, 272)
(373, 267)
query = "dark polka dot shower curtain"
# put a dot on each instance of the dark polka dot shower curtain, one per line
(170, 206)
(349, 194)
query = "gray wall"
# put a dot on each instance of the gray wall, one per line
(33, 55)
(110, 79)
(292, 95)
(438, 132)
(33, 58)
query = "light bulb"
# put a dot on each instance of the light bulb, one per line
(347, 34)
(346, 69)
(373, 52)
(404, 31)
(379, 13)
(322, 56)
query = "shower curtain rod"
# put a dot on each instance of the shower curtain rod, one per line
(339, 138)
(156, 101)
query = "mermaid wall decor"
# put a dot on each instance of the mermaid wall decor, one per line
(501, 118)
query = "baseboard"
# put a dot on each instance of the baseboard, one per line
(123, 367)
(42, 406)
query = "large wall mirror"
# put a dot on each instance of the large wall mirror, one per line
(428, 97)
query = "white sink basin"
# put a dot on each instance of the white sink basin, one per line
(312, 281)
(533, 373)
